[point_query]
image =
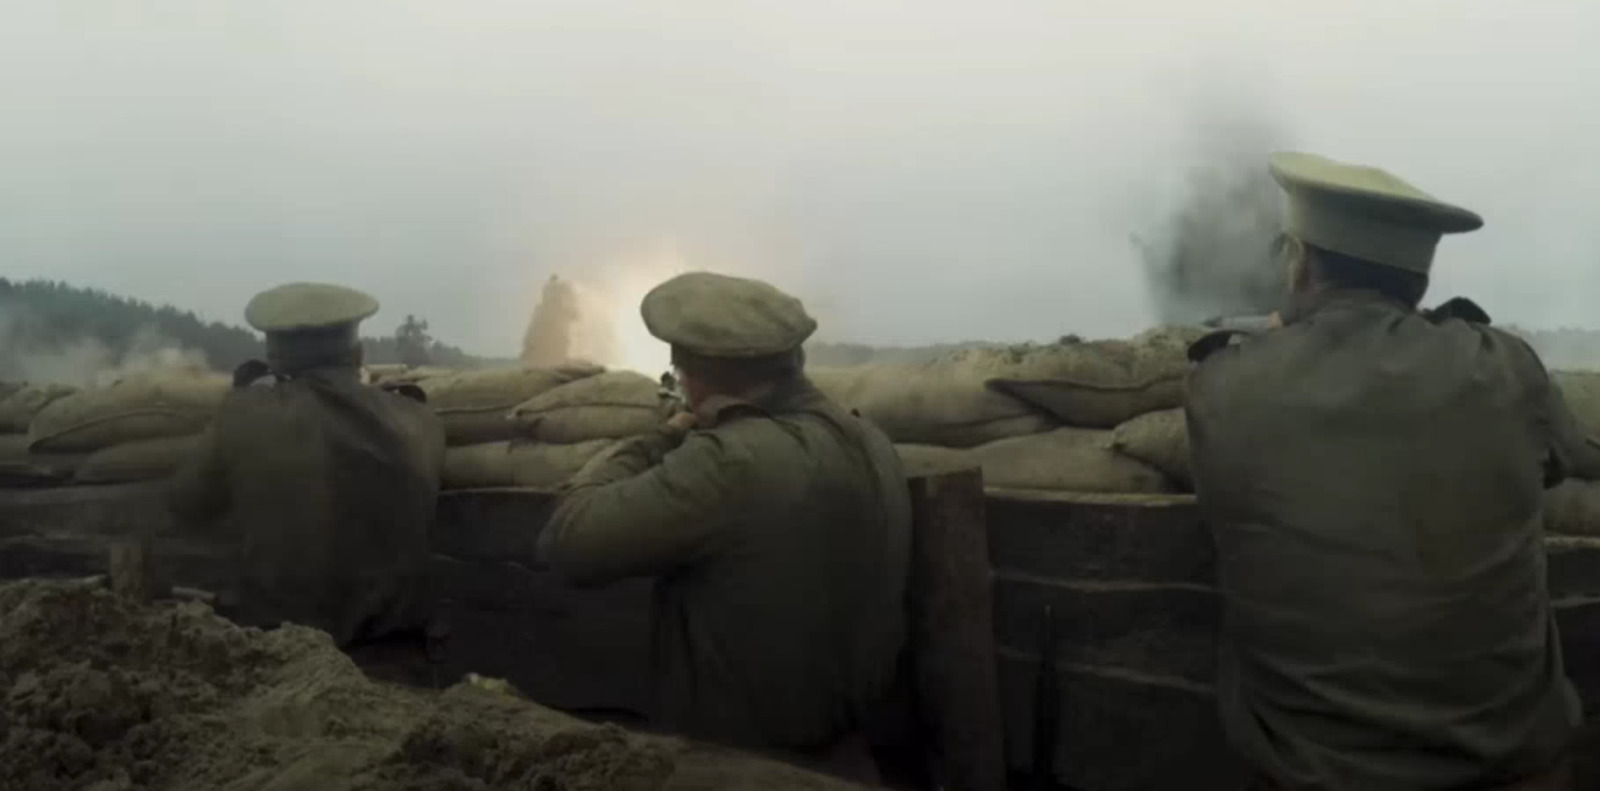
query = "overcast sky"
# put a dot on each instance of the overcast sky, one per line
(917, 171)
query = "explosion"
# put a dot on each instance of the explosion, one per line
(594, 316)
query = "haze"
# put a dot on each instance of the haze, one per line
(917, 171)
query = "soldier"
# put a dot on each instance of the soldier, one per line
(325, 486)
(777, 526)
(1373, 476)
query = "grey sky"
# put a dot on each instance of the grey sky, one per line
(917, 171)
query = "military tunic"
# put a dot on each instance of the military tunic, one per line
(1373, 478)
(326, 488)
(779, 537)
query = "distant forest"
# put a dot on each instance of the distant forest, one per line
(47, 322)
(40, 319)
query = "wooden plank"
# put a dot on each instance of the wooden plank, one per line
(1162, 628)
(1121, 731)
(951, 632)
(1130, 538)
(132, 568)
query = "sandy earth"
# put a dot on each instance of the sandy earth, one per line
(100, 694)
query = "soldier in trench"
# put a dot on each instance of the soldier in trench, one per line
(1373, 476)
(776, 524)
(324, 487)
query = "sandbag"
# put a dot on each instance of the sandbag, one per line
(1573, 508)
(18, 408)
(943, 403)
(137, 461)
(932, 459)
(611, 405)
(1161, 440)
(517, 463)
(1581, 389)
(403, 374)
(21, 467)
(143, 406)
(1064, 460)
(475, 406)
(1094, 384)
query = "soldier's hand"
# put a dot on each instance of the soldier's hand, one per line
(1275, 320)
(683, 421)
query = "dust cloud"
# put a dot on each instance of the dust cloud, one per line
(1212, 254)
(84, 361)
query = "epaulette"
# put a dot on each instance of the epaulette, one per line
(1458, 308)
(1209, 343)
(406, 390)
(249, 372)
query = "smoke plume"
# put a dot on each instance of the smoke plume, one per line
(84, 361)
(1211, 256)
(570, 323)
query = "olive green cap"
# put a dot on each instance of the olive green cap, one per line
(714, 315)
(308, 307)
(1364, 212)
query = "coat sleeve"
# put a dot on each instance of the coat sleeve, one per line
(198, 492)
(622, 521)
(1571, 454)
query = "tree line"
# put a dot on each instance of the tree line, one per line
(40, 317)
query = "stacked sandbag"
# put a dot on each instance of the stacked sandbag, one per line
(136, 428)
(945, 403)
(139, 407)
(1060, 460)
(555, 432)
(19, 466)
(1581, 389)
(1161, 440)
(610, 405)
(1097, 384)
(1036, 416)
(20, 402)
(402, 374)
(140, 460)
(475, 406)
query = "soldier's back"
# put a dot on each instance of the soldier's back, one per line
(1373, 479)
(332, 493)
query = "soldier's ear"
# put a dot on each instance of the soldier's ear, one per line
(1296, 260)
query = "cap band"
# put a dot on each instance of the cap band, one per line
(1361, 236)
(297, 351)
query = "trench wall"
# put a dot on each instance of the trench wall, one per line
(1129, 580)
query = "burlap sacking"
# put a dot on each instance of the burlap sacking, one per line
(475, 406)
(1062, 460)
(611, 405)
(139, 407)
(137, 461)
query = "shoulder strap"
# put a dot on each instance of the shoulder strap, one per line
(1209, 343)
(1458, 308)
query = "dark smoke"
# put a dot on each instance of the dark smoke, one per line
(1212, 255)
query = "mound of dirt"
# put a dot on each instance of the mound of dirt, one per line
(101, 694)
